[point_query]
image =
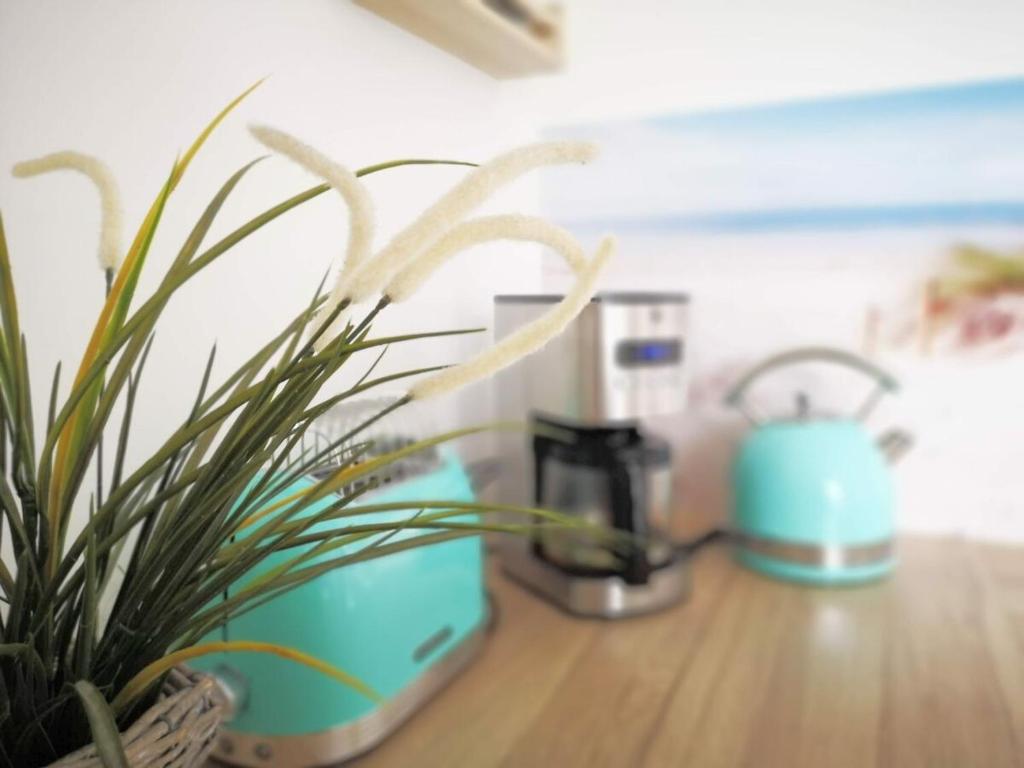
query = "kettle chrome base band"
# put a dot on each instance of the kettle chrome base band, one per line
(607, 597)
(337, 745)
(824, 565)
(826, 556)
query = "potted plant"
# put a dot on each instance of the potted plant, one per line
(98, 616)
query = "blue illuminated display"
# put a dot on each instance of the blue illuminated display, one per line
(649, 352)
(653, 352)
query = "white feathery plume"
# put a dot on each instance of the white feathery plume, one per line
(454, 206)
(110, 253)
(352, 191)
(525, 340)
(482, 230)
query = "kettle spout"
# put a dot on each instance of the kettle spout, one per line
(895, 443)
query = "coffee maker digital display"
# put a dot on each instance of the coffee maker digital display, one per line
(649, 352)
(593, 396)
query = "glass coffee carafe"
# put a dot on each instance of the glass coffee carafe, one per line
(610, 476)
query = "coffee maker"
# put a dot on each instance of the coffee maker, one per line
(595, 398)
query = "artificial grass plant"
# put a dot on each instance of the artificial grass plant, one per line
(158, 544)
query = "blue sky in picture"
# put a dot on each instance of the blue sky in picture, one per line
(950, 155)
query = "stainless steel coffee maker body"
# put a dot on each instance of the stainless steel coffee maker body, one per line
(597, 395)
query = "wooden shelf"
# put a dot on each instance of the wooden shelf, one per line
(505, 38)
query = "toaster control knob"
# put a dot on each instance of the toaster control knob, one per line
(263, 751)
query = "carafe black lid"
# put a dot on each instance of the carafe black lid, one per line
(600, 446)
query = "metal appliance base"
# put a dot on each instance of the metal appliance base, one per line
(606, 597)
(830, 556)
(336, 745)
(825, 565)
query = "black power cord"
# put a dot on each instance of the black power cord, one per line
(690, 547)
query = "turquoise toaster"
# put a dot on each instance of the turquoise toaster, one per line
(812, 494)
(405, 624)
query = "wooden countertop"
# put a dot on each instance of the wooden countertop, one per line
(925, 669)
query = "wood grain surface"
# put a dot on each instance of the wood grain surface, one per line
(925, 669)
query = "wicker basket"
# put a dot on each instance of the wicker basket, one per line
(176, 732)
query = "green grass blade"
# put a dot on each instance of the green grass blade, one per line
(146, 677)
(69, 436)
(54, 392)
(26, 653)
(89, 618)
(186, 159)
(103, 726)
(8, 300)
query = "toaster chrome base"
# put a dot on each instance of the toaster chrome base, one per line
(606, 597)
(336, 745)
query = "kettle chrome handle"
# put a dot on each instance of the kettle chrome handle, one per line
(885, 381)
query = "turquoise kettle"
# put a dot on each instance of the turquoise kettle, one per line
(812, 494)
